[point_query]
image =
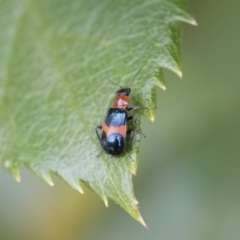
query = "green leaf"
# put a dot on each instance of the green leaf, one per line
(55, 58)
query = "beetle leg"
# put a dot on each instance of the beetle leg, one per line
(130, 118)
(96, 129)
(130, 131)
(132, 108)
(133, 118)
(128, 156)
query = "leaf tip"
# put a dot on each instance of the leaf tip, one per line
(194, 22)
(105, 200)
(163, 87)
(152, 118)
(18, 178)
(142, 222)
(152, 115)
(74, 183)
(13, 170)
(135, 201)
(133, 169)
(48, 179)
(79, 188)
(180, 74)
(51, 183)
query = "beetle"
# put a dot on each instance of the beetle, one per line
(114, 129)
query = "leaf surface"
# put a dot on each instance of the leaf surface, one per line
(55, 59)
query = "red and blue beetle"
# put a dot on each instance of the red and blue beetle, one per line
(114, 129)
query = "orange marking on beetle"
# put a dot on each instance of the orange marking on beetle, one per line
(110, 130)
(105, 128)
(121, 102)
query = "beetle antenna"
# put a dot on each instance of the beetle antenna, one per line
(129, 82)
(114, 83)
(135, 75)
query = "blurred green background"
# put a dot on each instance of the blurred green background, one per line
(188, 181)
